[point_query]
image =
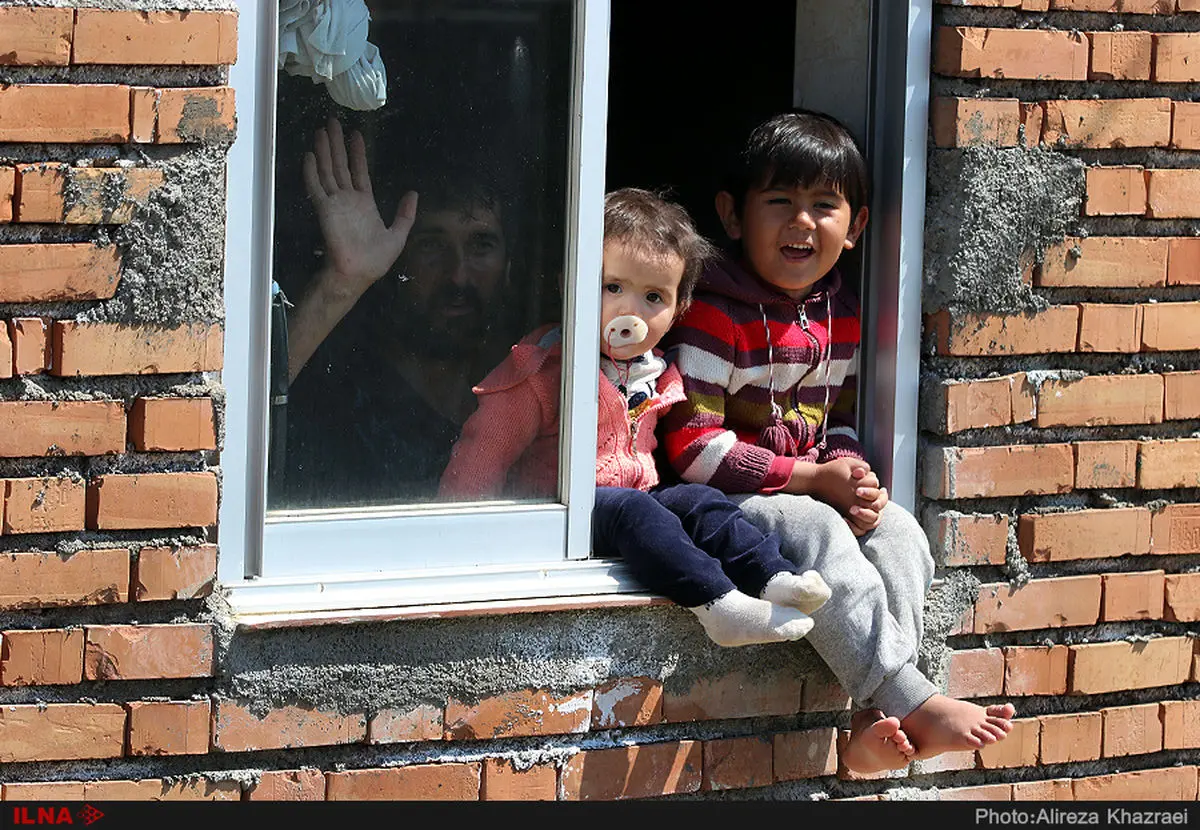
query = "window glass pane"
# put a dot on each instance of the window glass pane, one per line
(375, 349)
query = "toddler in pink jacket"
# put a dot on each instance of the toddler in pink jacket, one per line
(688, 542)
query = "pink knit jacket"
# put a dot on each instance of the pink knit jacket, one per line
(509, 445)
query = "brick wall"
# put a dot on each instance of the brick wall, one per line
(1059, 454)
(1060, 490)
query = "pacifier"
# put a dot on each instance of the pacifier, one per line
(626, 330)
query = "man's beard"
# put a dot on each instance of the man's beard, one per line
(425, 332)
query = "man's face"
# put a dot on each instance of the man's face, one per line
(457, 262)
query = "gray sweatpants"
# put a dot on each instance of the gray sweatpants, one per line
(869, 630)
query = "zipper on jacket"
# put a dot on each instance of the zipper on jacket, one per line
(802, 317)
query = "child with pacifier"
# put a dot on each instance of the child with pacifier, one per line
(688, 542)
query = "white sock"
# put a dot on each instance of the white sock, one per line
(806, 591)
(738, 619)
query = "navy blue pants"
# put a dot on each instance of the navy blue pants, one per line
(688, 542)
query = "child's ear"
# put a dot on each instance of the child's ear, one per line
(729, 217)
(856, 228)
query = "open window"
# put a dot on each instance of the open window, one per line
(495, 111)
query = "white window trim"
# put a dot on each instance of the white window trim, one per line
(248, 245)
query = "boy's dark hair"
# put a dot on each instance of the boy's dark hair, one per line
(654, 226)
(799, 148)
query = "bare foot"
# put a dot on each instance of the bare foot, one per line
(876, 743)
(944, 724)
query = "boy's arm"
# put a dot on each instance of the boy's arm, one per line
(698, 444)
(493, 438)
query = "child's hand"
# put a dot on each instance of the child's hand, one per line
(835, 482)
(863, 516)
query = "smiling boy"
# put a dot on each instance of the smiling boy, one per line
(769, 352)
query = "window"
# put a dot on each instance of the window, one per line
(495, 112)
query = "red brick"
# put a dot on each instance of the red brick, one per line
(1171, 784)
(175, 727)
(1040, 603)
(172, 424)
(35, 428)
(30, 338)
(983, 472)
(1180, 723)
(627, 701)
(1132, 596)
(175, 573)
(1120, 56)
(633, 772)
(1128, 122)
(948, 762)
(737, 763)
(1171, 326)
(35, 37)
(306, 784)
(419, 782)
(981, 403)
(45, 657)
(1033, 114)
(143, 103)
(151, 500)
(1105, 464)
(162, 789)
(1069, 738)
(98, 195)
(821, 691)
(1054, 789)
(735, 696)
(41, 272)
(1177, 57)
(1183, 260)
(1176, 529)
(968, 122)
(963, 539)
(1115, 191)
(977, 672)
(1097, 668)
(237, 728)
(142, 37)
(811, 753)
(980, 792)
(43, 580)
(1171, 194)
(148, 652)
(1188, 6)
(8, 184)
(6, 352)
(502, 781)
(1107, 327)
(42, 505)
(115, 349)
(44, 791)
(978, 335)
(61, 731)
(1185, 125)
(1131, 730)
(1018, 749)
(1126, 6)
(1101, 400)
(1181, 597)
(1035, 670)
(1010, 53)
(1169, 464)
(200, 114)
(526, 712)
(1105, 262)
(1084, 534)
(58, 113)
(394, 726)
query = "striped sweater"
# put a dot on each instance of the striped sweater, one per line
(743, 344)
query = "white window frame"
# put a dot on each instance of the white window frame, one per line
(486, 553)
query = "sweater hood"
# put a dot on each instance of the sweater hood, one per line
(727, 277)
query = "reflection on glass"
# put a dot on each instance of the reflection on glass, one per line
(379, 335)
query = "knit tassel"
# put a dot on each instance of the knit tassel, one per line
(776, 438)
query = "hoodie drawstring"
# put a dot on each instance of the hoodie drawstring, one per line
(775, 436)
